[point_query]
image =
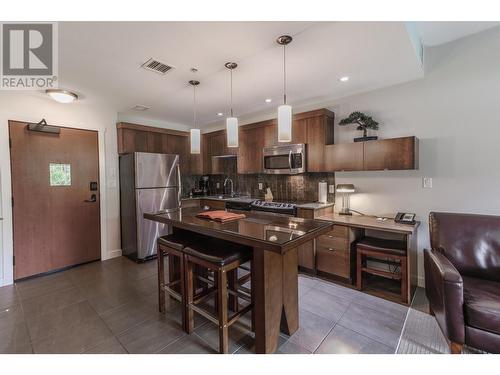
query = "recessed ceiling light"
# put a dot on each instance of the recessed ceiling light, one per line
(61, 96)
(268, 100)
(220, 114)
(344, 79)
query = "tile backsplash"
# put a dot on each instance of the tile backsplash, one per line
(296, 188)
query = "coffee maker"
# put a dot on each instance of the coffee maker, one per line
(203, 187)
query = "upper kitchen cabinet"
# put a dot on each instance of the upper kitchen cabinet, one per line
(386, 154)
(391, 154)
(132, 140)
(319, 133)
(252, 141)
(344, 157)
(140, 138)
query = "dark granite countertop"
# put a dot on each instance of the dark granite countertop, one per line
(270, 232)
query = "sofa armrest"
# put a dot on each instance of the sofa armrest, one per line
(444, 289)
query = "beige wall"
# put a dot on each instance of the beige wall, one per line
(83, 114)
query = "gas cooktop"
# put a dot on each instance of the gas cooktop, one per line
(277, 207)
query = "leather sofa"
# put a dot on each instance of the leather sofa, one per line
(462, 279)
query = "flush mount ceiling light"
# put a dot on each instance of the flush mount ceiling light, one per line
(285, 110)
(344, 79)
(231, 121)
(61, 96)
(195, 136)
(268, 100)
(220, 114)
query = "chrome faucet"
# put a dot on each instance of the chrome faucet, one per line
(232, 186)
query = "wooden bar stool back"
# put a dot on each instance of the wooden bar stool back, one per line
(224, 259)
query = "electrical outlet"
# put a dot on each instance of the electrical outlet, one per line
(261, 186)
(331, 189)
(427, 182)
(217, 185)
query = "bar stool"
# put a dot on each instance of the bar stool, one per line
(392, 252)
(223, 258)
(171, 246)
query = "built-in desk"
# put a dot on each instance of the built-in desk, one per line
(335, 254)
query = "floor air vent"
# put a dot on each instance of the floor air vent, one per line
(157, 66)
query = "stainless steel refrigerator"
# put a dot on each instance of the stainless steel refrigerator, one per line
(149, 183)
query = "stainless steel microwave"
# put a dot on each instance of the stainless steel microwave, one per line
(285, 159)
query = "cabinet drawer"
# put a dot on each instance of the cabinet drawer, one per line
(336, 243)
(339, 231)
(335, 262)
(217, 205)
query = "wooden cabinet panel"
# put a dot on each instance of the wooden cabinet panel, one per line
(177, 144)
(394, 153)
(217, 205)
(306, 255)
(344, 157)
(250, 150)
(155, 142)
(299, 131)
(130, 140)
(271, 134)
(331, 242)
(319, 134)
(336, 262)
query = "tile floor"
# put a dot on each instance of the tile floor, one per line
(111, 307)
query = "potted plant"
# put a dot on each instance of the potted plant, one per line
(364, 122)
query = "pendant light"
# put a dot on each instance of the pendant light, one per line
(195, 136)
(285, 110)
(231, 121)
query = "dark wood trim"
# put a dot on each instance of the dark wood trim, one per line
(148, 128)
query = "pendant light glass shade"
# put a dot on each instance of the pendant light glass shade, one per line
(285, 110)
(285, 123)
(231, 121)
(195, 136)
(232, 131)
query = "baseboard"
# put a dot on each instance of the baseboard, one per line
(5, 282)
(113, 254)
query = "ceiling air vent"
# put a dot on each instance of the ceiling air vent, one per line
(157, 66)
(140, 107)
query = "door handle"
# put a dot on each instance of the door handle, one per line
(93, 198)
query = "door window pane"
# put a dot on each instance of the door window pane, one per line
(60, 174)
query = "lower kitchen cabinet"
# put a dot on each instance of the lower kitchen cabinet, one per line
(331, 254)
(306, 256)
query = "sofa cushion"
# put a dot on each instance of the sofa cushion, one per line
(482, 304)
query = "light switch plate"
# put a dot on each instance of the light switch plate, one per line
(261, 186)
(217, 185)
(427, 182)
(331, 189)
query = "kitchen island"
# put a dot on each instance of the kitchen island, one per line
(274, 240)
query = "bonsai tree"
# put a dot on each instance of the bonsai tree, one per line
(363, 121)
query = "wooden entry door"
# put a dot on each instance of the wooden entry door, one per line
(55, 191)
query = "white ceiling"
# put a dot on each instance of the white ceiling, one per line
(102, 60)
(435, 33)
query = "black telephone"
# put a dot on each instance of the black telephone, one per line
(405, 218)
